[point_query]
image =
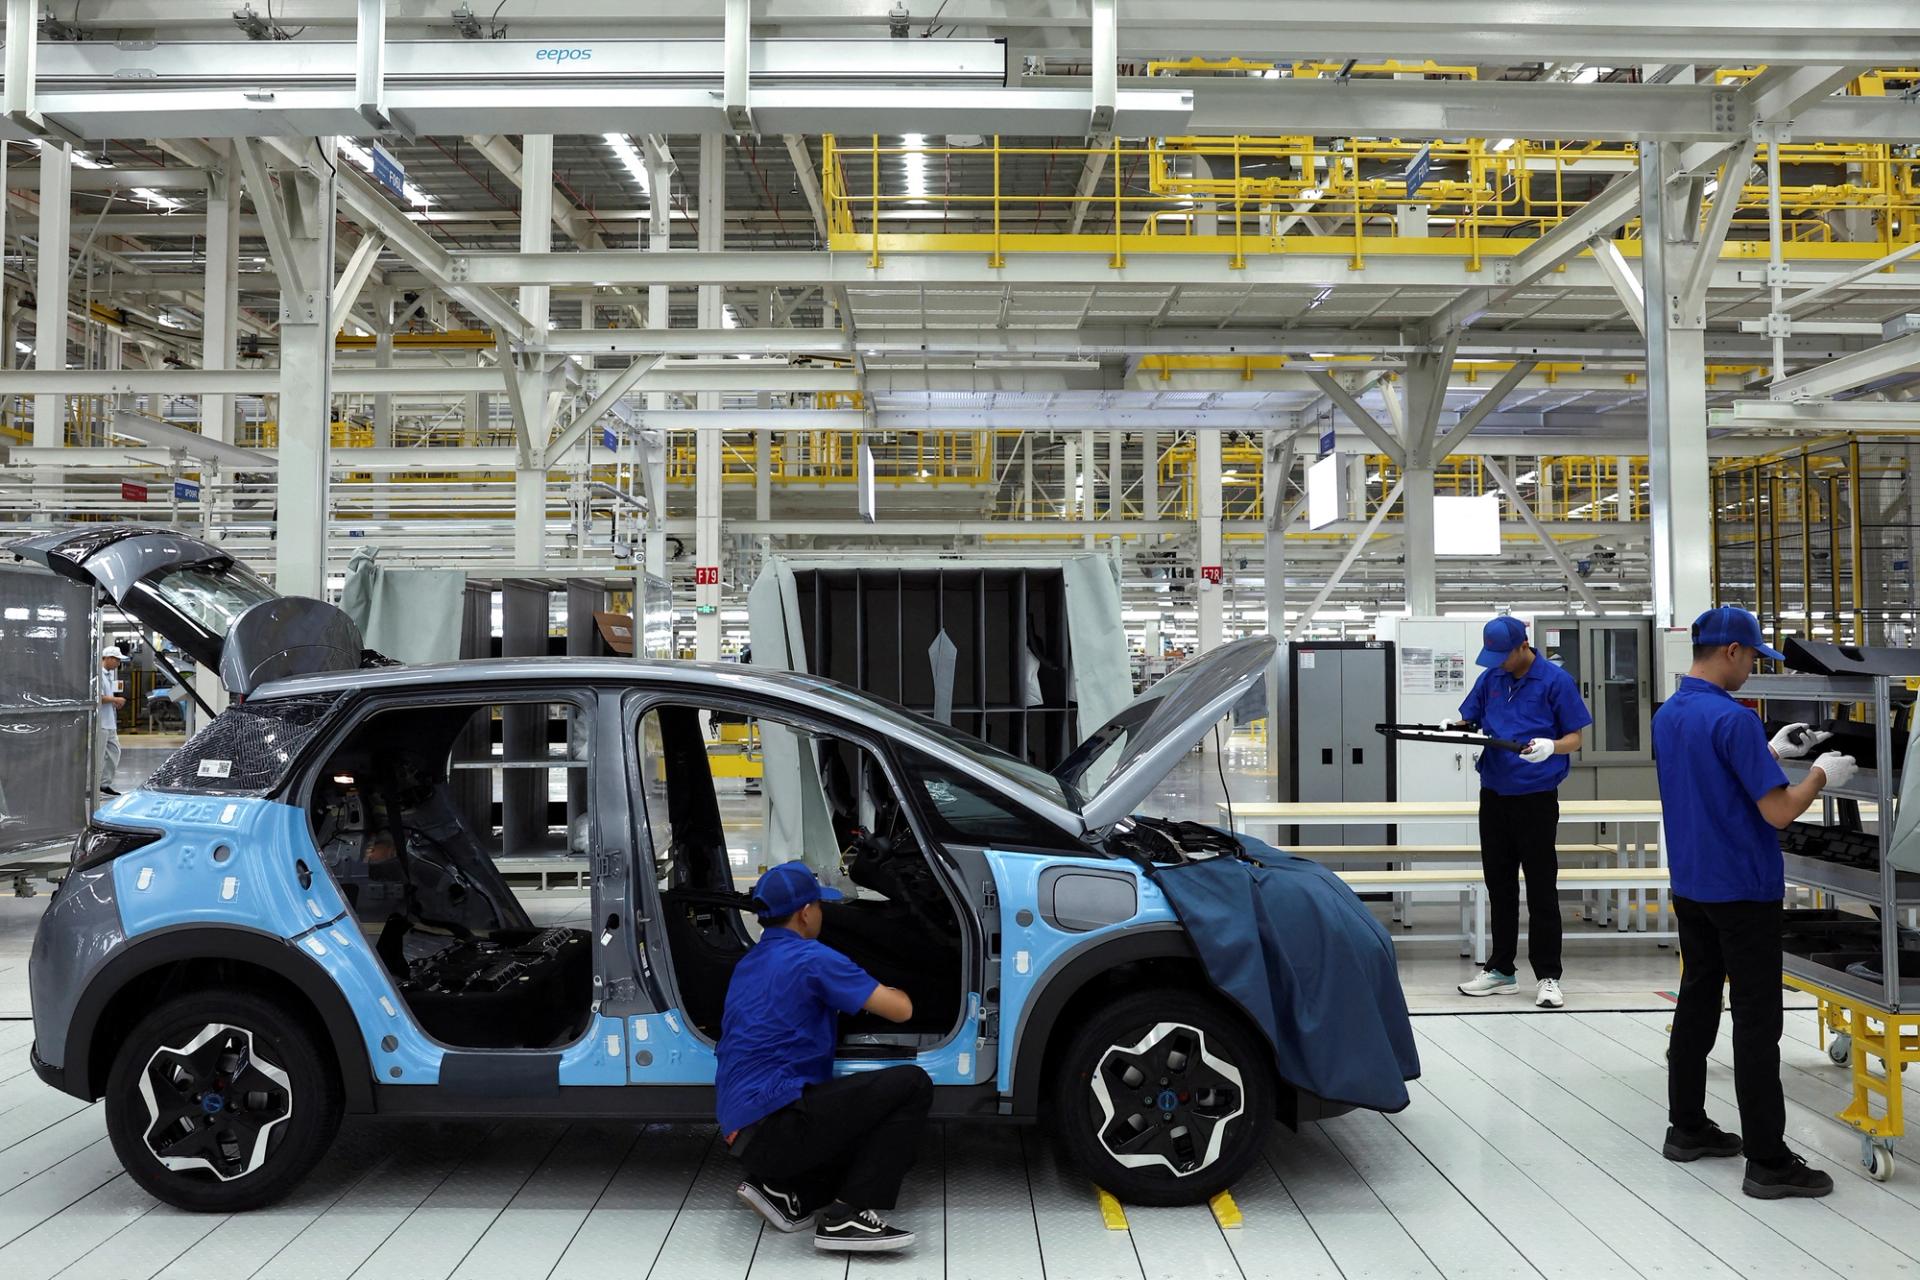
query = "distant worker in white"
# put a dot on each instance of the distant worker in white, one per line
(1725, 798)
(106, 746)
(1522, 697)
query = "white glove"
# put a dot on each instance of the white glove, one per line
(1451, 722)
(1839, 768)
(1785, 747)
(1537, 750)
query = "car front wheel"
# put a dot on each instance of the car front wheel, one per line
(218, 1103)
(1165, 1097)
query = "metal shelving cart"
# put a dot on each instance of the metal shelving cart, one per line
(1867, 1018)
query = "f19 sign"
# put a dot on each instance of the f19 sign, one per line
(706, 575)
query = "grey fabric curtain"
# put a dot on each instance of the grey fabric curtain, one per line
(411, 615)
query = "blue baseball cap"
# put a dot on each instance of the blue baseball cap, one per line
(1730, 624)
(783, 890)
(1499, 638)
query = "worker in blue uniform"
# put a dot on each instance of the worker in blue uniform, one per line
(1724, 798)
(813, 1145)
(1522, 697)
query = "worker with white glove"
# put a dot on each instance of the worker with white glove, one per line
(1724, 800)
(1522, 697)
(1795, 740)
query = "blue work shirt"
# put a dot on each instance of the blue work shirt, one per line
(1544, 703)
(1714, 765)
(781, 1024)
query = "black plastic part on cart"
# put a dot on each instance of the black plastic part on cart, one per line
(1461, 734)
(1832, 844)
(1849, 660)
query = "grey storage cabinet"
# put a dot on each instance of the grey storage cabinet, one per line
(1341, 690)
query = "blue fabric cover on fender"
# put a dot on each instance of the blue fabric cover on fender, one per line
(1295, 948)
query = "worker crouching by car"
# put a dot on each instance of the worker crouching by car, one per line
(812, 1145)
(1522, 697)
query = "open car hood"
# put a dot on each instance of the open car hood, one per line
(1118, 765)
(219, 612)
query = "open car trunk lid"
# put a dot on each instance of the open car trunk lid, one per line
(219, 612)
(1118, 765)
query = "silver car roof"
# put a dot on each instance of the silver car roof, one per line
(809, 692)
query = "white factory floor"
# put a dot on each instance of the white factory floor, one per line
(1531, 1148)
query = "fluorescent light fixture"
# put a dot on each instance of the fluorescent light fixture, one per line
(81, 160)
(153, 197)
(1587, 75)
(1505, 144)
(728, 320)
(362, 156)
(916, 166)
(1312, 193)
(1467, 526)
(1326, 491)
(630, 157)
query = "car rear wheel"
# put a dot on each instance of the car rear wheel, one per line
(1164, 1097)
(218, 1103)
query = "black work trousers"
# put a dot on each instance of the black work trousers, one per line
(1517, 833)
(1738, 944)
(851, 1139)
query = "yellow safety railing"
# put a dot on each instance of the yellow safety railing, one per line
(1268, 195)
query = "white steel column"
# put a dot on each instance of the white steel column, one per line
(1207, 495)
(50, 288)
(530, 475)
(659, 234)
(383, 359)
(305, 410)
(1680, 508)
(707, 440)
(1149, 474)
(220, 303)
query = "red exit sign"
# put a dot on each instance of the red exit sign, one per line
(1210, 573)
(706, 575)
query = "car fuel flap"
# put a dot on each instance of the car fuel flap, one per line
(1119, 764)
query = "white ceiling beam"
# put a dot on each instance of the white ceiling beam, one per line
(1888, 360)
(1496, 396)
(346, 290)
(1624, 279)
(1334, 390)
(369, 206)
(1532, 522)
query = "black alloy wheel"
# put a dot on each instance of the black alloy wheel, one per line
(219, 1102)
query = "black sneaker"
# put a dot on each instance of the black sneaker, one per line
(1684, 1145)
(108, 791)
(782, 1209)
(861, 1232)
(1779, 1181)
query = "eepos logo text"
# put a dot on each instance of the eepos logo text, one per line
(563, 54)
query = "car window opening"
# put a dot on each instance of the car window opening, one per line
(414, 815)
(727, 795)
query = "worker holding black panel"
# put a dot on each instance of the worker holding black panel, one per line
(1725, 799)
(1524, 698)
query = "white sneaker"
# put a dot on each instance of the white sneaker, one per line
(1490, 982)
(1548, 996)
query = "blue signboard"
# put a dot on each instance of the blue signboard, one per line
(389, 172)
(186, 491)
(1326, 440)
(1417, 171)
(609, 439)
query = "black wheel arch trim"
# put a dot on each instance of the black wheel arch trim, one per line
(1040, 1016)
(176, 943)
